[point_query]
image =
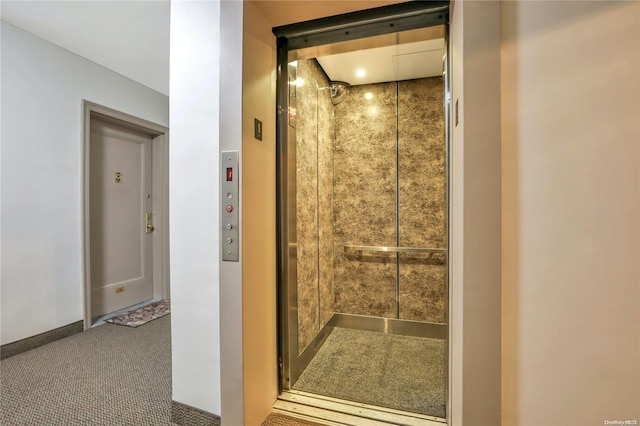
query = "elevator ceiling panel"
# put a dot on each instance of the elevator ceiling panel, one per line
(389, 63)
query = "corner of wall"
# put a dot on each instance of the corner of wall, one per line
(194, 192)
(475, 305)
(258, 216)
(231, 313)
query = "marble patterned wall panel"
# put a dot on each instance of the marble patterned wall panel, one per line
(364, 200)
(307, 205)
(423, 203)
(326, 129)
(314, 200)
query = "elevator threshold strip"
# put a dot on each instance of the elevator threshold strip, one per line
(331, 411)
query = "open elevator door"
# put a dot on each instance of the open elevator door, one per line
(353, 31)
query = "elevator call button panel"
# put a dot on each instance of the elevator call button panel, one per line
(229, 201)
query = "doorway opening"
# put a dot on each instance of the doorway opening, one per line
(125, 215)
(363, 234)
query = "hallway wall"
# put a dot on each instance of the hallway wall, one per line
(43, 87)
(571, 229)
(207, 293)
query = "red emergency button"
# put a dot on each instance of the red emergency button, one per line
(229, 208)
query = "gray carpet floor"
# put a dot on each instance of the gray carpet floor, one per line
(109, 375)
(401, 372)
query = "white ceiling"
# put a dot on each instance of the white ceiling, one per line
(132, 39)
(391, 63)
(128, 37)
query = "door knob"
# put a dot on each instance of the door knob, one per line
(149, 222)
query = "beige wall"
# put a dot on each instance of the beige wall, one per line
(258, 215)
(571, 212)
(284, 12)
(475, 215)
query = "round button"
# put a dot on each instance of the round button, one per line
(229, 226)
(229, 208)
(229, 240)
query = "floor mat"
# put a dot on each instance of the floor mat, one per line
(142, 315)
(401, 372)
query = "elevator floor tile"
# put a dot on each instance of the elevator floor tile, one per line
(401, 372)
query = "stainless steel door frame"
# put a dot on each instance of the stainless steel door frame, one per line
(447, 137)
(350, 26)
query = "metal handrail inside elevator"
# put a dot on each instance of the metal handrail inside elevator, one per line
(395, 249)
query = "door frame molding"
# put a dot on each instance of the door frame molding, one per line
(160, 202)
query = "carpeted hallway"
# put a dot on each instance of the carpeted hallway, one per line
(113, 375)
(109, 375)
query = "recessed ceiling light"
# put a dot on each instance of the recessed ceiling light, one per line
(368, 96)
(360, 73)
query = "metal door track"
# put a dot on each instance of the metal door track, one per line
(332, 411)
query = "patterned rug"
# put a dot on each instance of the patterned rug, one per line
(142, 315)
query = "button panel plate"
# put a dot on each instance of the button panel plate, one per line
(229, 191)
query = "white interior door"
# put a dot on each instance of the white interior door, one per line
(120, 198)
